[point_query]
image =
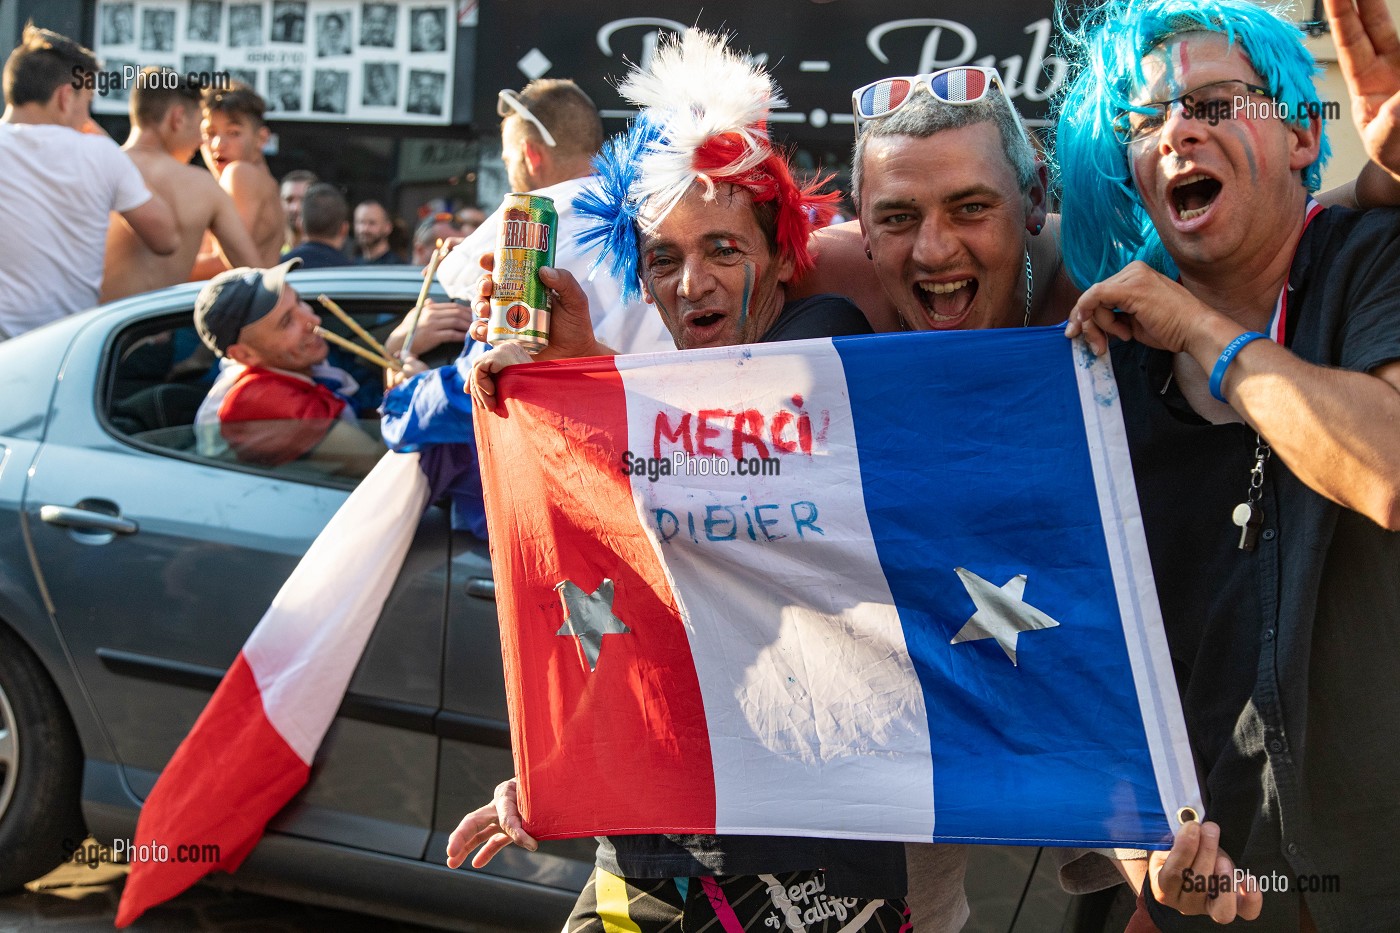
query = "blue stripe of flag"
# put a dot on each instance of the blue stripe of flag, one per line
(1003, 486)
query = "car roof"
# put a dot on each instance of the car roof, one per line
(370, 282)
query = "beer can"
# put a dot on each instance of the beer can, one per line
(519, 300)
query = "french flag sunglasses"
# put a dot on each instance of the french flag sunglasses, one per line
(965, 84)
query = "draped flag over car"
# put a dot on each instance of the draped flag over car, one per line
(883, 587)
(251, 749)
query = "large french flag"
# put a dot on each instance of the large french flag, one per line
(251, 749)
(929, 616)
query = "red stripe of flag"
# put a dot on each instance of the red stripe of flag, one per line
(559, 508)
(212, 765)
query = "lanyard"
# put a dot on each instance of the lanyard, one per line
(1249, 514)
(1278, 324)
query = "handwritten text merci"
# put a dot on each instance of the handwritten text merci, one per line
(751, 432)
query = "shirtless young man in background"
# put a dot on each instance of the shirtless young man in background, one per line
(164, 136)
(234, 135)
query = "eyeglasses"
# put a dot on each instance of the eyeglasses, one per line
(1210, 102)
(508, 102)
(965, 84)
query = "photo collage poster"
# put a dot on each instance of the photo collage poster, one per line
(329, 60)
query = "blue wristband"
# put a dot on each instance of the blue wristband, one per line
(1227, 356)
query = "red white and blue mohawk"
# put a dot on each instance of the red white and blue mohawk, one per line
(703, 120)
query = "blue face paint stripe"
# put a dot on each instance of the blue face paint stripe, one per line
(656, 295)
(748, 289)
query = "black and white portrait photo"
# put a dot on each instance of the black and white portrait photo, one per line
(427, 29)
(119, 91)
(245, 25)
(200, 63)
(284, 89)
(158, 30)
(330, 90)
(381, 85)
(245, 76)
(425, 92)
(333, 33)
(118, 24)
(379, 25)
(289, 21)
(203, 22)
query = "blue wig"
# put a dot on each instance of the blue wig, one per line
(1105, 225)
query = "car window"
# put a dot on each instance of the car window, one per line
(164, 390)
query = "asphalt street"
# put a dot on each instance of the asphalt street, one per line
(78, 899)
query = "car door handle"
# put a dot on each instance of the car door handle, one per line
(482, 588)
(70, 517)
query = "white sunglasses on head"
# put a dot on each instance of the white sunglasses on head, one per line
(962, 84)
(508, 102)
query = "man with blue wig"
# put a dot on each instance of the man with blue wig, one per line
(1260, 374)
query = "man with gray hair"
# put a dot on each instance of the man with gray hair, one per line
(951, 202)
(952, 207)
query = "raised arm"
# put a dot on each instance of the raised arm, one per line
(1368, 51)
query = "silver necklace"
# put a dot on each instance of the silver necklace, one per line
(1027, 321)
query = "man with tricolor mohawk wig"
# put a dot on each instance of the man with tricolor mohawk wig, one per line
(701, 137)
(698, 209)
(1258, 366)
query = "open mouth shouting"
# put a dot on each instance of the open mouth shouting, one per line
(946, 304)
(1191, 198)
(705, 327)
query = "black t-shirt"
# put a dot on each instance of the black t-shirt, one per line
(854, 868)
(1286, 656)
(387, 258)
(316, 255)
(817, 316)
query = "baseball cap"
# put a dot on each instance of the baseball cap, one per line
(234, 299)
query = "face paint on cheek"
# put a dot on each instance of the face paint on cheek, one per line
(1135, 167)
(748, 291)
(1247, 135)
(660, 302)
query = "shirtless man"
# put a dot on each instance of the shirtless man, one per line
(234, 136)
(164, 136)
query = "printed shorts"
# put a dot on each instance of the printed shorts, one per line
(771, 903)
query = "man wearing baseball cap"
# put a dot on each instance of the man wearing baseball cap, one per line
(276, 400)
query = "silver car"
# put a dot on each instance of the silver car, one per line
(132, 569)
